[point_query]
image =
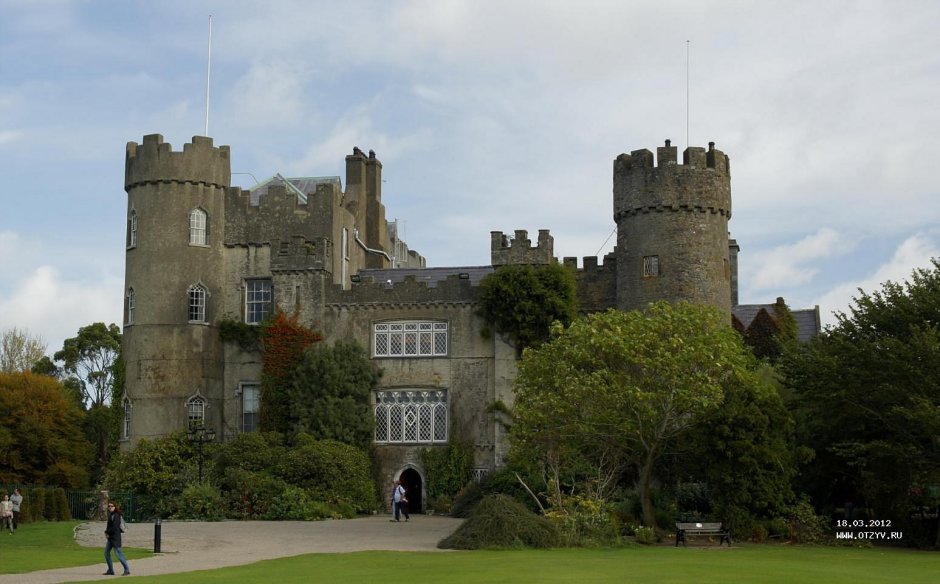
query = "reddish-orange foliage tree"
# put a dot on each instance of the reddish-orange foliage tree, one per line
(283, 342)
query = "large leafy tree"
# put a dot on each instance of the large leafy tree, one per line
(615, 389)
(867, 393)
(92, 367)
(329, 393)
(19, 350)
(521, 302)
(41, 438)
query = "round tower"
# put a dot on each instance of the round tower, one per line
(672, 227)
(173, 284)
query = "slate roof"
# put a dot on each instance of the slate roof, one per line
(432, 276)
(305, 184)
(807, 319)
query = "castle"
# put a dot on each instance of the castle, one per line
(200, 251)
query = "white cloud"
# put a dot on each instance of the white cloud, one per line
(791, 265)
(271, 93)
(914, 252)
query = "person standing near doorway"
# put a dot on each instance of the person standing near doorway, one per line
(399, 501)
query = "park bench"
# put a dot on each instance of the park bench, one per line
(684, 530)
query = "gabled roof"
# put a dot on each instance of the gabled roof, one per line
(807, 319)
(302, 186)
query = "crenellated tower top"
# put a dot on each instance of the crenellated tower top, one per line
(519, 250)
(154, 161)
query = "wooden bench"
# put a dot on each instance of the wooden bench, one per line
(684, 530)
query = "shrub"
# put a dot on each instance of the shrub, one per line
(37, 506)
(645, 535)
(250, 495)
(332, 471)
(501, 522)
(60, 504)
(584, 522)
(447, 468)
(466, 500)
(200, 501)
(50, 511)
(804, 525)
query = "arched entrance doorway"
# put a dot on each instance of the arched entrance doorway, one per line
(411, 480)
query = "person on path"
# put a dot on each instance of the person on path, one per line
(6, 512)
(17, 500)
(113, 532)
(399, 501)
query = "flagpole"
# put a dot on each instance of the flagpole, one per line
(687, 67)
(208, 75)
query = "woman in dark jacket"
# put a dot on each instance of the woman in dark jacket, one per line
(113, 532)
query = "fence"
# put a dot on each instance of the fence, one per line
(82, 505)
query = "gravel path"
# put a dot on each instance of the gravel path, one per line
(189, 546)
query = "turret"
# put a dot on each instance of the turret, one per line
(174, 281)
(519, 249)
(672, 227)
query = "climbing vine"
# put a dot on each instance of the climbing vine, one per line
(283, 341)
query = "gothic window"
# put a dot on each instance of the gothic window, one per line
(126, 426)
(251, 400)
(411, 416)
(197, 303)
(131, 306)
(198, 227)
(196, 411)
(650, 266)
(409, 339)
(257, 300)
(132, 230)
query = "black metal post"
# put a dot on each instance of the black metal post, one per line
(157, 529)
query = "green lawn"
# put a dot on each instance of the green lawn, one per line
(42, 546)
(663, 565)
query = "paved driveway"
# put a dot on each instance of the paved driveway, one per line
(189, 546)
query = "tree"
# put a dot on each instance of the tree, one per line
(41, 438)
(92, 361)
(615, 389)
(19, 351)
(283, 341)
(522, 301)
(867, 396)
(329, 393)
(91, 356)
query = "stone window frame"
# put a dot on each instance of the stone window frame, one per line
(198, 227)
(256, 311)
(410, 339)
(132, 229)
(198, 302)
(411, 416)
(651, 266)
(130, 306)
(248, 389)
(196, 407)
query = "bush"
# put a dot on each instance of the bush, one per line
(466, 500)
(200, 501)
(50, 511)
(37, 506)
(585, 522)
(447, 468)
(501, 522)
(250, 495)
(645, 535)
(60, 503)
(804, 525)
(333, 471)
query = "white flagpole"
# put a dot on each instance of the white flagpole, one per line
(208, 75)
(687, 67)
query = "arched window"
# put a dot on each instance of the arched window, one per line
(197, 303)
(411, 416)
(196, 411)
(198, 227)
(131, 306)
(132, 229)
(126, 428)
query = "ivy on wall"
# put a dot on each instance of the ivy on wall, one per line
(283, 341)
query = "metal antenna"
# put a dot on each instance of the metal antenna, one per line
(208, 76)
(687, 68)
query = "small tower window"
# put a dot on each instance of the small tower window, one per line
(650, 266)
(198, 227)
(196, 410)
(131, 306)
(251, 393)
(132, 230)
(197, 303)
(126, 427)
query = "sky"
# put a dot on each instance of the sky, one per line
(487, 116)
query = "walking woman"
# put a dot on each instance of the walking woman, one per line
(113, 533)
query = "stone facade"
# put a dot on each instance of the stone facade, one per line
(200, 251)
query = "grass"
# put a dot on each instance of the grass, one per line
(770, 564)
(47, 545)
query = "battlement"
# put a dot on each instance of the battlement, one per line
(692, 157)
(518, 249)
(452, 290)
(589, 263)
(154, 161)
(702, 184)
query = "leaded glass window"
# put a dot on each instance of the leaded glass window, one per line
(196, 410)
(409, 339)
(257, 300)
(411, 416)
(198, 227)
(197, 303)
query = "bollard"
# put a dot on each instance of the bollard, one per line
(157, 528)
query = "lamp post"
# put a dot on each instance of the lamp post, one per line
(199, 435)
